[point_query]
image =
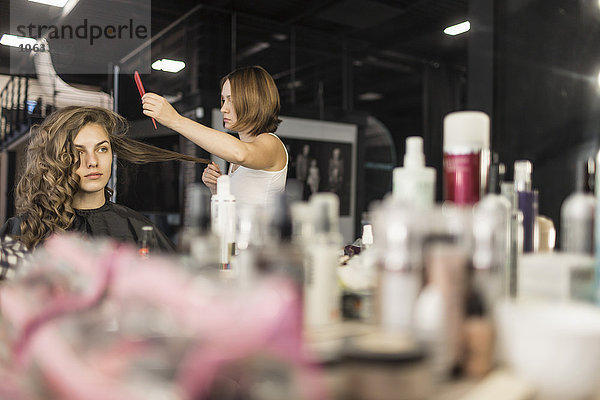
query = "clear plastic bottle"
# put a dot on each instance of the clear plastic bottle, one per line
(146, 242)
(577, 214)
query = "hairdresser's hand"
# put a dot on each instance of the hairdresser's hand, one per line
(210, 175)
(157, 107)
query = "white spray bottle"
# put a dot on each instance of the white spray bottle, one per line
(414, 183)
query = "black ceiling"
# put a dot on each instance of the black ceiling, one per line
(348, 54)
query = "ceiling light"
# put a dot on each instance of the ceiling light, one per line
(55, 3)
(458, 28)
(280, 36)
(168, 65)
(16, 41)
(598, 79)
(370, 96)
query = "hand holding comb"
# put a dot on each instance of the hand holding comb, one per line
(138, 82)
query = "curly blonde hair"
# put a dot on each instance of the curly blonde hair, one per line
(44, 194)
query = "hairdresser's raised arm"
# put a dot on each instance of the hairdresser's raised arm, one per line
(260, 154)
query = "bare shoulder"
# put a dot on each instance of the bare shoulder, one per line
(275, 147)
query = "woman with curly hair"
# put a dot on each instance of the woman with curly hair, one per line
(64, 185)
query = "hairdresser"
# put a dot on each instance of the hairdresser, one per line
(64, 185)
(258, 159)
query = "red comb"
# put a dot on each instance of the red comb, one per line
(138, 82)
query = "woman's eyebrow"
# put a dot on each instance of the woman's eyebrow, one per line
(80, 146)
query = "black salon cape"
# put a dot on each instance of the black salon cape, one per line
(111, 220)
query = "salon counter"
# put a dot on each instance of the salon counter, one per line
(405, 375)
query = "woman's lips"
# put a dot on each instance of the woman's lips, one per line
(93, 176)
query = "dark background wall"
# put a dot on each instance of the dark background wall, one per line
(546, 93)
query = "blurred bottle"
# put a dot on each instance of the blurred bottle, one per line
(322, 291)
(442, 303)
(147, 241)
(198, 246)
(527, 202)
(516, 235)
(279, 255)
(414, 183)
(577, 213)
(466, 156)
(399, 274)
(492, 237)
(224, 219)
(250, 238)
(366, 240)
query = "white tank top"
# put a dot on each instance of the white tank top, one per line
(256, 186)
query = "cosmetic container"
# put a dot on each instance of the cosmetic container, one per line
(197, 244)
(250, 239)
(516, 235)
(577, 214)
(492, 238)
(279, 255)
(322, 291)
(527, 201)
(414, 183)
(440, 311)
(399, 273)
(466, 143)
(147, 242)
(223, 219)
(556, 277)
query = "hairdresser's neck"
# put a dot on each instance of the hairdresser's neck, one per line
(88, 201)
(246, 137)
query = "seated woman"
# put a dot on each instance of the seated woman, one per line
(63, 187)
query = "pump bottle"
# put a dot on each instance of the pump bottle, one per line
(414, 184)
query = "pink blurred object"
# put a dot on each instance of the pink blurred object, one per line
(78, 281)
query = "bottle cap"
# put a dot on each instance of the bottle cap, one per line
(495, 175)
(586, 174)
(414, 157)
(523, 169)
(466, 131)
(367, 235)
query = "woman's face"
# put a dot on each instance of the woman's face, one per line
(227, 109)
(95, 159)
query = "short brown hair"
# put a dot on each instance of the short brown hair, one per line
(255, 99)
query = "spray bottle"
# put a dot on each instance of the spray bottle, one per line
(414, 183)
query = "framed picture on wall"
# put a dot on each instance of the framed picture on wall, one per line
(321, 166)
